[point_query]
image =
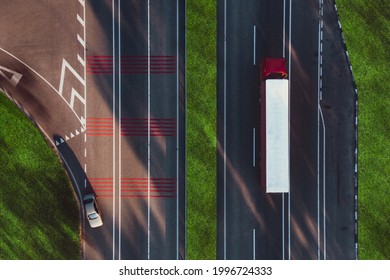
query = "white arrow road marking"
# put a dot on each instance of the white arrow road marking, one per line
(15, 78)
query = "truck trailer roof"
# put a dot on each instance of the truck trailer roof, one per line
(277, 161)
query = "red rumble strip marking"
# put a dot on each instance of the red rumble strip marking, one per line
(138, 187)
(103, 187)
(159, 64)
(99, 127)
(163, 64)
(99, 64)
(139, 127)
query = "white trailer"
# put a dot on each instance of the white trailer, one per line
(275, 127)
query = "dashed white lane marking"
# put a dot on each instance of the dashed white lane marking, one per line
(254, 243)
(254, 147)
(254, 45)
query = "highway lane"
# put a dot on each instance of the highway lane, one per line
(316, 219)
(118, 125)
(338, 101)
(249, 222)
(144, 191)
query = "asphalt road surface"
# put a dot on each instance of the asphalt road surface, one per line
(316, 220)
(105, 82)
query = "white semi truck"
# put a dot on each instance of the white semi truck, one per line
(275, 126)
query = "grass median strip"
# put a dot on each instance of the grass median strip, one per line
(201, 129)
(39, 215)
(366, 28)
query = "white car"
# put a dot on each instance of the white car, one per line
(92, 211)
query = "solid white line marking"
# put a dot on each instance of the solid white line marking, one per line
(323, 183)
(254, 45)
(119, 125)
(224, 134)
(284, 55)
(80, 20)
(81, 40)
(284, 31)
(254, 243)
(82, 2)
(318, 146)
(289, 93)
(283, 250)
(113, 123)
(177, 130)
(254, 147)
(148, 129)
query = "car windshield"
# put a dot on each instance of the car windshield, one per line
(93, 216)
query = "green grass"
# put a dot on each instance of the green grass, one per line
(39, 217)
(201, 129)
(366, 26)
